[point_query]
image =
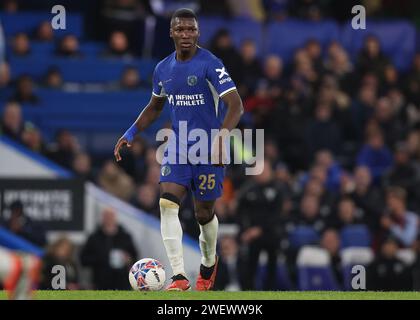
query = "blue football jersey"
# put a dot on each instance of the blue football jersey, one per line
(193, 90)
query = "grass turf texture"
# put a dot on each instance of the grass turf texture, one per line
(221, 295)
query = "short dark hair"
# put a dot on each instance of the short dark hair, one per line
(184, 13)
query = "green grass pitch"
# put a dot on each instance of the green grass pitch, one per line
(221, 295)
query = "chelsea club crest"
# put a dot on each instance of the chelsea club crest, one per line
(192, 80)
(166, 170)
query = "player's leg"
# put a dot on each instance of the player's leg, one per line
(19, 273)
(208, 187)
(173, 186)
(10, 271)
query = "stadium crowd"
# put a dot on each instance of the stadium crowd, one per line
(342, 148)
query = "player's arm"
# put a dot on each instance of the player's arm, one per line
(235, 110)
(149, 114)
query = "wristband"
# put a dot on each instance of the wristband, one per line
(130, 133)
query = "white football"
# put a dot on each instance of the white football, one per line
(147, 274)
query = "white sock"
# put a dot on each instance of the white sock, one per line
(171, 231)
(208, 241)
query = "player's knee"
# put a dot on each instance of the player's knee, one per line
(204, 215)
(169, 200)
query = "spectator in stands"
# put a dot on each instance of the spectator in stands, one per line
(404, 174)
(362, 108)
(387, 119)
(387, 272)
(118, 46)
(222, 47)
(20, 45)
(304, 76)
(23, 226)
(375, 155)
(412, 82)
(314, 51)
(131, 80)
(53, 79)
(82, 166)
(10, 6)
(232, 266)
(366, 196)
(339, 64)
(273, 73)
(259, 211)
(347, 214)
(260, 105)
(371, 58)
(110, 252)
(4, 66)
(397, 221)
(413, 145)
(60, 253)
(309, 213)
(68, 47)
(147, 199)
(330, 241)
(44, 32)
(32, 139)
(325, 159)
(25, 92)
(114, 180)
(127, 16)
(250, 68)
(323, 132)
(64, 149)
(391, 78)
(11, 121)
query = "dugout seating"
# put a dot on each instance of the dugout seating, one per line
(355, 236)
(314, 270)
(301, 236)
(283, 281)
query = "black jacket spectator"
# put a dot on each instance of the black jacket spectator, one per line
(110, 252)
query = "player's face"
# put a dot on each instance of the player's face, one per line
(185, 33)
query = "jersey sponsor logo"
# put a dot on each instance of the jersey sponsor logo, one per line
(222, 72)
(186, 100)
(192, 80)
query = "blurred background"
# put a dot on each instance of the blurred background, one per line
(341, 113)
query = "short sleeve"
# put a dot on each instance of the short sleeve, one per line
(158, 90)
(219, 77)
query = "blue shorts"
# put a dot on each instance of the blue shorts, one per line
(205, 181)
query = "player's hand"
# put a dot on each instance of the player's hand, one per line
(121, 141)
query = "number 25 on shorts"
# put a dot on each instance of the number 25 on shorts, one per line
(207, 182)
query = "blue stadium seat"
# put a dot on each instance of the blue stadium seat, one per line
(284, 42)
(243, 28)
(283, 281)
(355, 236)
(314, 270)
(79, 70)
(301, 236)
(29, 21)
(208, 28)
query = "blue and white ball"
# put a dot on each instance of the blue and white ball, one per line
(147, 275)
